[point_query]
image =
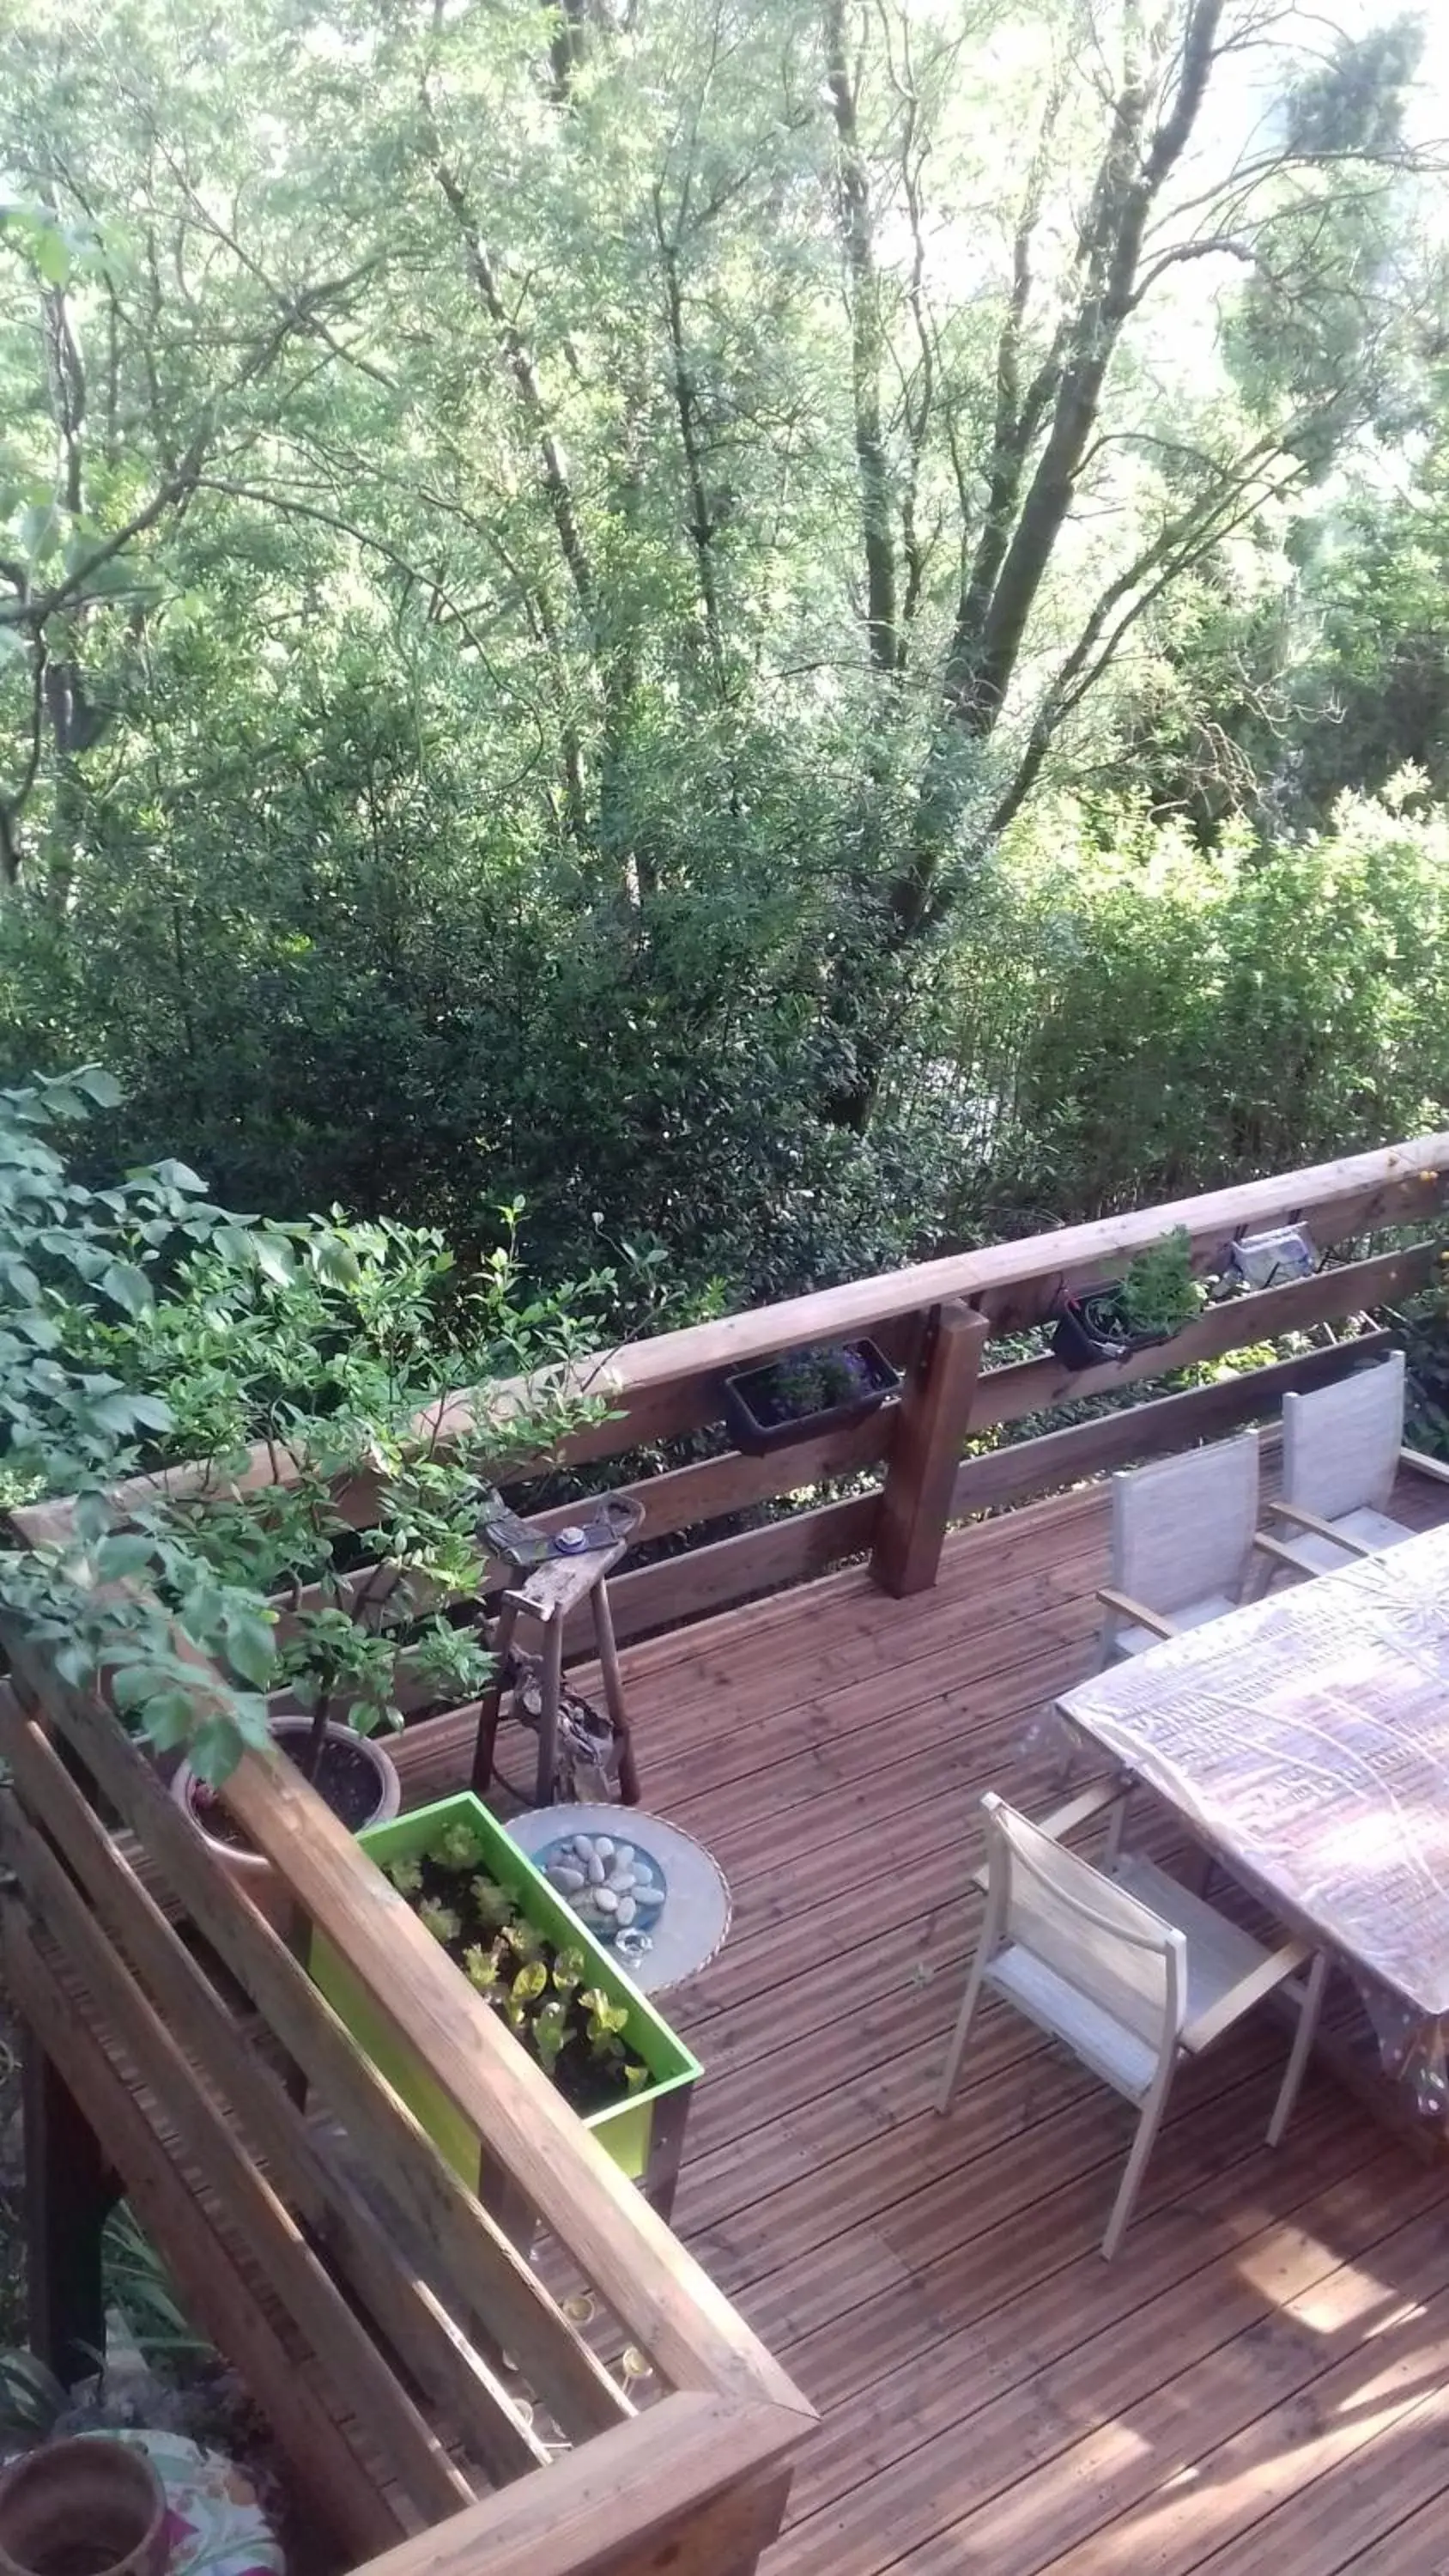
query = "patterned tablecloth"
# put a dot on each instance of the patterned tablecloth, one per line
(1306, 1738)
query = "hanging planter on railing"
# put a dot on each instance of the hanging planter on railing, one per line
(1150, 1304)
(803, 1393)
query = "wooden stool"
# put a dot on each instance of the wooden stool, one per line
(547, 1596)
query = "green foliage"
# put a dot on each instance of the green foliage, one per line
(1138, 1018)
(1159, 1293)
(811, 1381)
(549, 747)
(141, 1325)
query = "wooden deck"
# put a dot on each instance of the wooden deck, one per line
(1261, 2380)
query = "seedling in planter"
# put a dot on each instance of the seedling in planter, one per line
(605, 2022)
(550, 2032)
(443, 1921)
(406, 1877)
(490, 1902)
(456, 1848)
(480, 1967)
(527, 1986)
(569, 1971)
(812, 1381)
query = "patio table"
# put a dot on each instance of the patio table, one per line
(1305, 1739)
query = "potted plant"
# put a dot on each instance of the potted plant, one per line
(557, 1988)
(806, 1391)
(1150, 1303)
(343, 1641)
(88, 2504)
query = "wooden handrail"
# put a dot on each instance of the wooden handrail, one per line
(690, 2487)
(669, 2304)
(1355, 1194)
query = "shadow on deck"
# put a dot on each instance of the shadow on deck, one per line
(1260, 2379)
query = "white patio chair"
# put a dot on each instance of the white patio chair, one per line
(1182, 1544)
(1342, 1449)
(1128, 1969)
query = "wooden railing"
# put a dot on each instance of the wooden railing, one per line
(409, 2356)
(937, 1320)
(192, 2052)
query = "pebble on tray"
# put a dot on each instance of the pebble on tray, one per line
(609, 1884)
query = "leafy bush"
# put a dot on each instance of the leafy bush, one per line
(141, 1325)
(1141, 1019)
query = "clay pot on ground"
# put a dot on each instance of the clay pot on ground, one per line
(355, 1779)
(88, 2507)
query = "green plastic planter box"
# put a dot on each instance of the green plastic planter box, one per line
(630, 2130)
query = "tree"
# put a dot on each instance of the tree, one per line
(523, 522)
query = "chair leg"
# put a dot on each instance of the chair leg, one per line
(1107, 1643)
(962, 2032)
(1131, 2182)
(1303, 2038)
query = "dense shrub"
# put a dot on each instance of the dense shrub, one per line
(1134, 1019)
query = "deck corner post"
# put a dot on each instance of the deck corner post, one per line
(915, 1503)
(70, 2191)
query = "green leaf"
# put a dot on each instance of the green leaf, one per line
(274, 1258)
(122, 1556)
(337, 1263)
(251, 1647)
(39, 531)
(99, 1086)
(126, 1286)
(52, 254)
(153, 1412)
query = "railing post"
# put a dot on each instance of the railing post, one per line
(935, 1415)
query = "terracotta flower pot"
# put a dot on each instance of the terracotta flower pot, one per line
(86, 2507)
(255, 1875)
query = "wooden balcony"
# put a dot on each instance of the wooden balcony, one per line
(1256, 2382)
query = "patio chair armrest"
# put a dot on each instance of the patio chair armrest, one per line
(1094, 1800)
(1320, 1528)
(1280, 1554)
(1271, 1972)
(1423, 1465)
(1135, 1611)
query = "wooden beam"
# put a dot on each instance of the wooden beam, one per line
(207, 2134)
(70, 2190)
(664, 2297)
(213, 2290)
(694, 2487)
(668, 2303)
(733, 1569)
(428, 2341)
(1140, 1431)
(482, 2269)
(915, 1504)
(681, 1498)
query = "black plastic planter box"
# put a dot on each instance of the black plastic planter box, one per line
(754, 1434)
(1085, 1336)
